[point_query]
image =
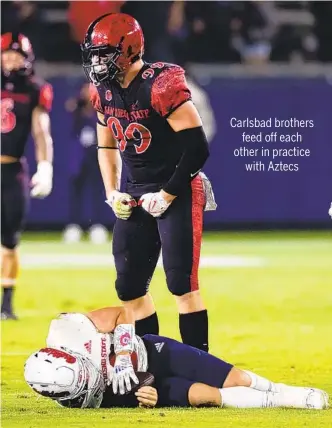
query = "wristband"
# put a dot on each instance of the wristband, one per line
(124, 338)
(105, 147)
(100, 122)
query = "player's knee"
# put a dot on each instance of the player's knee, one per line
(129, 288)
(237, 377)
(200, 394)
(178, 282)
(9, 242)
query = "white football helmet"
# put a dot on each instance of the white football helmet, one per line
(67, 377)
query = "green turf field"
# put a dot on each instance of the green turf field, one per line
(270, 302)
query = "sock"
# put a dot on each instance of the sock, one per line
(261, 383)
(148, 325)
(301, 398)
(194, 329)
(247, 398)
(7, 296)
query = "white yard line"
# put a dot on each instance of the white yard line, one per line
(87, 261)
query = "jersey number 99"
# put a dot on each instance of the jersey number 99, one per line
(134, 131)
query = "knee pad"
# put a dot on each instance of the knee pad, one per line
(9, 241)
(129, 288)
(179, 282)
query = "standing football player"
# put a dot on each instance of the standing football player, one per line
(25, 103)
(147, 119)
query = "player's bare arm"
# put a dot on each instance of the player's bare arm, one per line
(110, 165)
(41, 132)
(107, 319)
(108, 156)
(185, 117)
(119, 321)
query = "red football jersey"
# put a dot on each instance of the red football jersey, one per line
(17, 104)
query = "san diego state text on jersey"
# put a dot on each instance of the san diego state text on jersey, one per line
(137, 118)
(17, 104)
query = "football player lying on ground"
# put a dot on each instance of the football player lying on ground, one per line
(95, 360)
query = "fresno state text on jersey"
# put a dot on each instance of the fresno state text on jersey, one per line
(137, 117)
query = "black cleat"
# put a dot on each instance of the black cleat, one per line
(8, 316)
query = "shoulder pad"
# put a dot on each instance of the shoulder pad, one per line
(169, 90)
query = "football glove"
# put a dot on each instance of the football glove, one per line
(330, 210)
(42, 180)
(154, 204)
(123, 374)
(121, 203)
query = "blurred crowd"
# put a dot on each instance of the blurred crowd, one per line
(184, 31)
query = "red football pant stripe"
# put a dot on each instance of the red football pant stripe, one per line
(197, 209)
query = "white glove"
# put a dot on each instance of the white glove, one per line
(123, 373)
(42, 181)
(154, 204)
(330, 210)
(121, 203)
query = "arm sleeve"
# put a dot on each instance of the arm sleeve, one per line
(195, 151)
(95, 99)
(45, 98)
(169, 91)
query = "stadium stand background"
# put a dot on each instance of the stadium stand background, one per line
(249, 57)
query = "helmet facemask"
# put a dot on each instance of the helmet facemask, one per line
(100, 63)
(89, 393)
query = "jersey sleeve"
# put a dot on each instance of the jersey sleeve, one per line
(169, 91)
(45, 98)
(95, 98)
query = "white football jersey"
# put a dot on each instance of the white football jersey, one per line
(77, 333)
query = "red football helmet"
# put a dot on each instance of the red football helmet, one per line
(112, 43)
(21, 44)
